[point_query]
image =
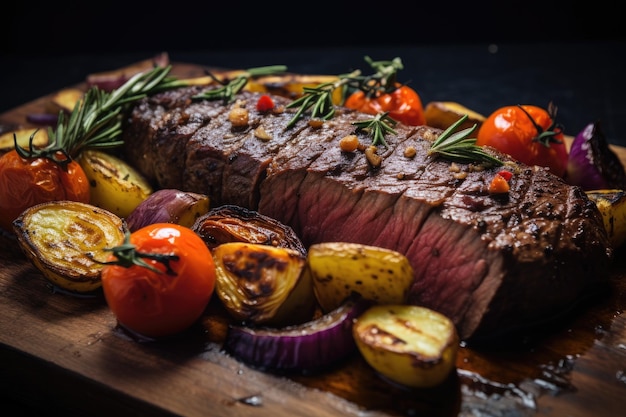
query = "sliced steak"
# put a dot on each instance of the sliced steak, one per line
(489, 262)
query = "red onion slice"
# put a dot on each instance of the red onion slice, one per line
(307, 348)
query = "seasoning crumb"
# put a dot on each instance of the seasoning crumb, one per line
(349, 143)
(410, 152)
(261, 133)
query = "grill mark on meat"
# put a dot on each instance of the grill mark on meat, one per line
(484, 261)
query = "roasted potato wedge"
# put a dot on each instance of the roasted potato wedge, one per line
(410, 345)
(263, 284)
(23, 135)
(64, 100)
(115, 185)
(66, 241)
(612, 206)
(339, 269)
(443, 114)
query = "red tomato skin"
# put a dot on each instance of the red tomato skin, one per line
(160, 305)
(403, 104)
(27, 182)
(509, 130)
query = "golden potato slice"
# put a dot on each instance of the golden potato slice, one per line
(115, 185)
(410, 345)
(339, 269)
(612, 206)
(23, 136)
(263, 284)
(66, 241)
(443, 114)
(64, 100)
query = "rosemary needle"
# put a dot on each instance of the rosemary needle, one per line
(229, 90)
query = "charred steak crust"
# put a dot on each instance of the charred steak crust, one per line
(489, 262)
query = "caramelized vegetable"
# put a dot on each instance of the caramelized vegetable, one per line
(592, 164)
(23, 137)
(230, 223)
(311, 347)
(410, 345)
(115, 185)
(66, 241)
(263, 284)
(169, 206)
(443, 114)
(612, 206)
(340, 269)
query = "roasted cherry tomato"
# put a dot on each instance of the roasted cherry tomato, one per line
(403, 104)
(170, 294)
(25, 182)
(527, 133)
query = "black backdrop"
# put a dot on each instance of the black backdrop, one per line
(571, 53)
(114, 26)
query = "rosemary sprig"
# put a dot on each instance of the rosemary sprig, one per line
(382, 81)
(229, 89)
(320, 98)
(96, 120)
(460, 147)
(377, 127)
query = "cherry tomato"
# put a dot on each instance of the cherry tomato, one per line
(154, 304)
(25, 182)
(527, 133)
(403, 105)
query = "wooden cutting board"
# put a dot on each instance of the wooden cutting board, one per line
(58, 350)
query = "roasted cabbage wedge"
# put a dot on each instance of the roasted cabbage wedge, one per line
(23, 136)
(340, 269)
(612, 206)
(263, 284)
(116, 186)
(67, 242)
(407, 344)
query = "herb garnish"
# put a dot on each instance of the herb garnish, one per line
(460, 147)
(96, 119)
(377, 127)
(320, 98)
(229, 89)
(384, 80)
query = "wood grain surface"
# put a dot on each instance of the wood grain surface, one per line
(62, 352)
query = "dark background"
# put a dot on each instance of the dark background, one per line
(482, 55)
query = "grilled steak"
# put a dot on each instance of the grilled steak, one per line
(489, 262)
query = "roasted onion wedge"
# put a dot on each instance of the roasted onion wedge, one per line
(311, 347)
(262, 284)
(66, 241)
(410, 345)
(169, 205)
(339, 269)
(229, 223)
